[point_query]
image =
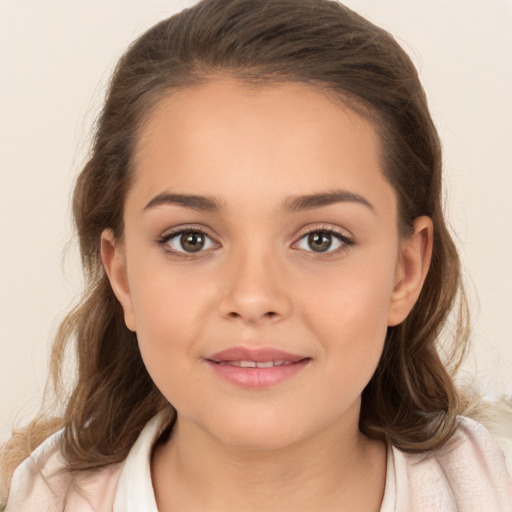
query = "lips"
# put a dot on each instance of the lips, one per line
(258, 355)
(256, 367)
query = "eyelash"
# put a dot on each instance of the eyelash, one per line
(345, 240)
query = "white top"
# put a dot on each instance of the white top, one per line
(469, 474)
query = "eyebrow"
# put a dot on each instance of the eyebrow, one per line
(312, 201)
(194, 202)
(290, 205)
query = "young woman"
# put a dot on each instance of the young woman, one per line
(268, 271)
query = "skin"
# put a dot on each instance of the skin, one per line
(258, 282)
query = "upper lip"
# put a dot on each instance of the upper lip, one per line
(259, 354)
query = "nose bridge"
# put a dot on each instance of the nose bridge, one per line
(255, 288)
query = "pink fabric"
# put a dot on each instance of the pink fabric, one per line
(40, 484)
(467, 475)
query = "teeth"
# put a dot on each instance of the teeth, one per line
(247, 364)
(255, 364)
(266, 364)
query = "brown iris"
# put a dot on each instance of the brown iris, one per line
(192, 241)
(320, 242)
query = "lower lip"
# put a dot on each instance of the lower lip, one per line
(257, 378)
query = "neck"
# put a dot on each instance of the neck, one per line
(337, 469)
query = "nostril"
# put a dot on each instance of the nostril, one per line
(268, 315)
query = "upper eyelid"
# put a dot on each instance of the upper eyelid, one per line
(343, 233)
(304, 230)
(178, 230)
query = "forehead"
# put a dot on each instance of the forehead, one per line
(230, 139)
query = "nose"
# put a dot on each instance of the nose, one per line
(255, 288)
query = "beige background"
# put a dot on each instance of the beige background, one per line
(55, 58)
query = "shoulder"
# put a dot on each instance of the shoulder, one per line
(468, 474)
(496, 416)
(42, 482)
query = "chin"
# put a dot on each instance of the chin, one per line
(259, 433)
(260, 441)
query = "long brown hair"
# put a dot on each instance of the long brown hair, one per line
(411, 400)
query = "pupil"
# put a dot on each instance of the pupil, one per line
(192, 242)
(319, 242)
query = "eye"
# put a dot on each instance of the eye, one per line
(322, 241)
(187, 241)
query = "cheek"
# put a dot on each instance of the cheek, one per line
(348, 312)
(169, 308)
(166, 297)
(352, 301)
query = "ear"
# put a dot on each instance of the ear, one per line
(114, 263)
(411, 271)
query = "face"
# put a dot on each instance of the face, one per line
(261, 262)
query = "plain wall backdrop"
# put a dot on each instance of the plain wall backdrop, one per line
(55, 59)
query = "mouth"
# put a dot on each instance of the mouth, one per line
(255, 364)
(256, 368)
